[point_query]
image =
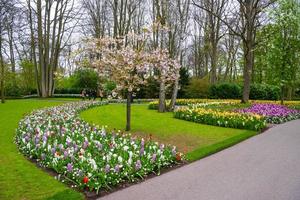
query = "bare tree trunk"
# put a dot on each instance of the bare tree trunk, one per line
(2, 71)
(2, 80)
(33, 49)
(281, 94)
(213, 77)
(162, 97)
(2, 64)
(11, 48)
(248, 44)
(41, 49)
(248, 59)
(128, 111)
(174, 95)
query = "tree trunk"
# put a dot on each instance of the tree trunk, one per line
(11, 50)
(128, 111)
(247, 74)
(162, 97)
(2, 70)
(289, 93)
(2, 79)
(213, 77)
(281, 94)
(174, 95)
(41, 63)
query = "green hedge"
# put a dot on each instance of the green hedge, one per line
(234, 91)
(67, 91)
(264, 92)
(225, 91)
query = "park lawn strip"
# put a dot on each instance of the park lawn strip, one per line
(214, 148)
(189, 137)
(19, 178)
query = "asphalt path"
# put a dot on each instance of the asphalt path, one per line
(264, 167)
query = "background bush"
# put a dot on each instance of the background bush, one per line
(234, 91)
(197, 88)
(264, 92)
(225, 91)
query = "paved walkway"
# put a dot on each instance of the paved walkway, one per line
(264, 167)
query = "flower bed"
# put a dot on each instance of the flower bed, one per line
(84, 155)
(184, 102)
(154, 104)
(273, 113)
(221, 118)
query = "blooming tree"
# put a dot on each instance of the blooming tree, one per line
(126, 62)
(168, 72)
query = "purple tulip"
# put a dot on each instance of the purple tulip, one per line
(269, 110)
(117, 168)
(45, 138)
(142, 142)
(85, 144)
(138, 165)
(53, 150)
(26, 138)
(63, 130)
(36, 140)
(61, 147)
(162, 146)
(66, 154)
(142, 150)
(153, 159)
(107, 168)
(69, 167)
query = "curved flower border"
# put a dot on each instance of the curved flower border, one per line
(85, 155)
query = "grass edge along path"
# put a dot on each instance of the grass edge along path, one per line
(141, 115)
(214, 148)
(20, 178)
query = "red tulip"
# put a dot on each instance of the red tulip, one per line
(178, 157)
(85, 179)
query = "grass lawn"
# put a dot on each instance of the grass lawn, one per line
(19, 178)
(197, 140)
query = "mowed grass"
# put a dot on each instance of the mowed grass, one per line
(196, 140)
(19, 178)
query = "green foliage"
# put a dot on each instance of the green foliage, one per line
(150, 90)
(184, 81)
(278, 53)
(264, 92)
(14, 84)
(234, 91)
(85, 78)
(81, 79)
(197, 88)
(225, 91)
(28, 80)
(68, 90)
(109, 86)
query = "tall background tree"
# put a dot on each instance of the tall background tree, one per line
(51, 26)
(279, 48)
(243, 19)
